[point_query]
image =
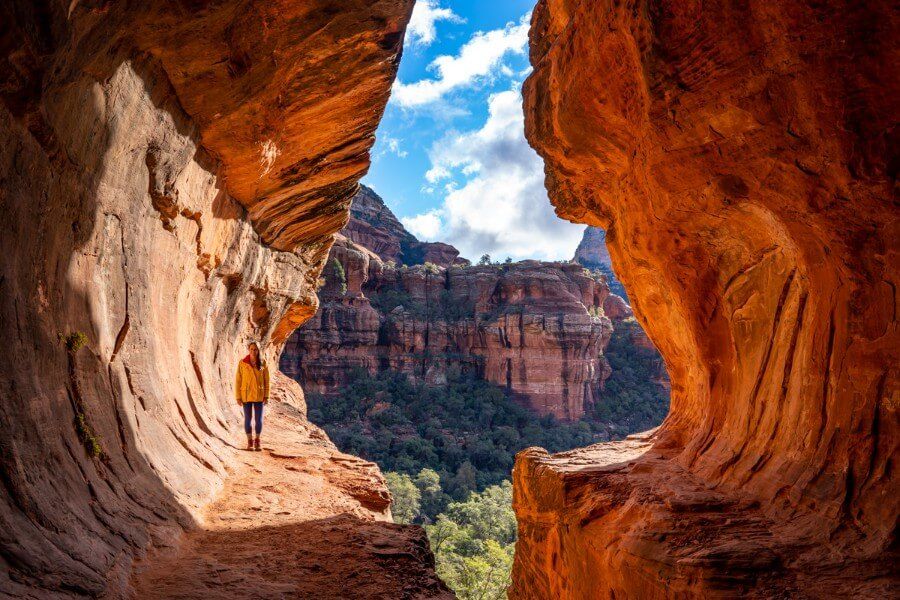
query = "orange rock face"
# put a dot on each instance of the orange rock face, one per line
(295, 122)
(171, 175)
(526, 327)
(741, 159)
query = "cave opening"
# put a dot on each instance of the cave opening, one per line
(429, 354)
(171, 180)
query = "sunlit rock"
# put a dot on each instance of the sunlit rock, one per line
(740, 159)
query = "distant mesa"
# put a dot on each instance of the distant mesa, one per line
(537, 329)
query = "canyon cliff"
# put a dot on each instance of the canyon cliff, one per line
(171, 175)
(742, 160)
(593, 254)
(372, 225)
(535, 329)
(591, 251)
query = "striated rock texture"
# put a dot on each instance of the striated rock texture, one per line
(299, 520)
(536, 329)
(741, 158)
(372, 225)
(170, 177)
(591, 251)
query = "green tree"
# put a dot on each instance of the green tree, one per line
(465, 481)
(488, 514)
(444, 532)
(340, 277)
(473, 542)
(433, 498)
(484, 260)
(482, 576)
(406, 504)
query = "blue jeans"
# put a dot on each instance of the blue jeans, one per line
(251, 408)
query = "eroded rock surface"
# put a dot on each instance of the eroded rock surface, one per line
(373, 226)
(741, 158)
(536, 329)
(171, 175)
(591, 251)
(297, 520)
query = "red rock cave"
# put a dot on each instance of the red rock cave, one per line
(171, 178)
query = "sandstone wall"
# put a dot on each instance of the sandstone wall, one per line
(170, 177)
(526, 327)
(373, 226)
(741, 158)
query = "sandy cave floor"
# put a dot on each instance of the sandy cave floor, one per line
(291, 522)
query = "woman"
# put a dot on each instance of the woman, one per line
(251, 389)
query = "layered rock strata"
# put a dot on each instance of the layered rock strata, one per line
(536, 329)
(741, 158)
(170, 177)
(591, 251)
(373, 226)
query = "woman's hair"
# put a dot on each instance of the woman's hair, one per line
(259, 359)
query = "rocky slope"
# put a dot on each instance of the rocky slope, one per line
(536, 329)
(591, 251)
(593, 254)
(295, 521)
(373, 226)
(741, 158)
(163, 199)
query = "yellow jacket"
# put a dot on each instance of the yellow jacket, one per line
(251, 385)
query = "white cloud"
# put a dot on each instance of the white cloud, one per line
(421, 29)
(425, 226)
(479, 58)
(394, 146)
(501, 208)
(390, 145)
(435, 174)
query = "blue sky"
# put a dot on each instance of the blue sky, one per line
(451, 158)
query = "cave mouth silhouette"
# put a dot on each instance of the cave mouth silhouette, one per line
(747, 193)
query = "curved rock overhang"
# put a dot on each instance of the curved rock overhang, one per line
(742, 158)
(171, 174)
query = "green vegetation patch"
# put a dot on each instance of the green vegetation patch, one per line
(631, 399)
(467, 431)
(473, 541)
(337, 274)
(446, 308)
(74, 341)
(87, 436)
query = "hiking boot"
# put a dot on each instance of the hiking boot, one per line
(256, 445)
(249, 442)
